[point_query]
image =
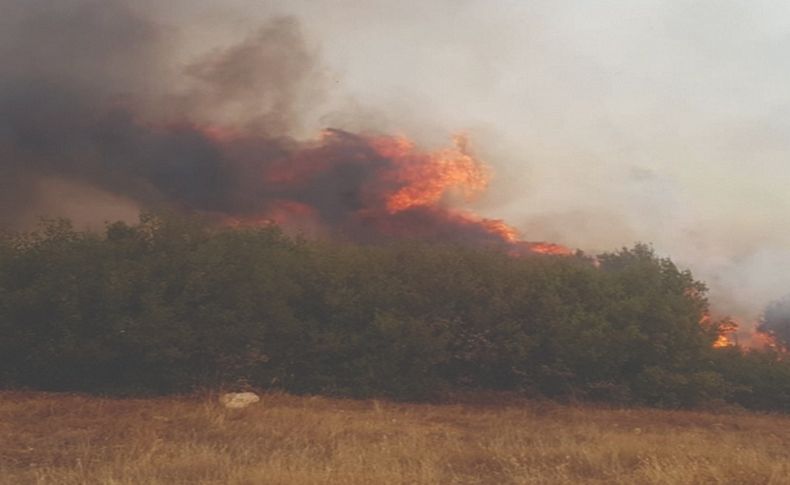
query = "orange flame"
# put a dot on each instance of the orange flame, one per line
(498, 226)
(425, 178)
(733, 332)
(726, 327)
(550, 248)
(760, 340)
(723, 341)
(394, 189)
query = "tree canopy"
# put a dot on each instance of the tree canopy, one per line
(172, 303)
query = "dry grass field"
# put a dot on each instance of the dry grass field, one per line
(70, 439)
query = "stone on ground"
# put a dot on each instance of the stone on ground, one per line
(238, 400)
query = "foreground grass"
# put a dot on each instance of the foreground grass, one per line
(68, 439)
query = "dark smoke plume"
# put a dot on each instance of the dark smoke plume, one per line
(78, 83)
(91, 94)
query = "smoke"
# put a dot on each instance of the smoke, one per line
(61, 61)
(607, 124)
(91, 99)
(89, 96)
(265, 81)
(776, 321)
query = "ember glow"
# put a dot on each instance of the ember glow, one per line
(727, 328)
(723, 341)
(549, 248)
(742, 333)
(756, 339)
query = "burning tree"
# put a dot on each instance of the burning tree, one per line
(776, 322)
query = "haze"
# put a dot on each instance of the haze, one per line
(606, 122)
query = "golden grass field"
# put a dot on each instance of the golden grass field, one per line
(72, 439)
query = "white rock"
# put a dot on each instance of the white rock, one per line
(238, 400)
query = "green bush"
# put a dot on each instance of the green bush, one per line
(173, 303)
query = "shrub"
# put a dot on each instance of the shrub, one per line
(174, 303)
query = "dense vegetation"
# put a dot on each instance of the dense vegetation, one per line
(171, 304)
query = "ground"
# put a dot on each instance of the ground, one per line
(74, 439)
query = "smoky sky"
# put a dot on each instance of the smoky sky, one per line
(606, 122)
(93, 94)
(89, 94)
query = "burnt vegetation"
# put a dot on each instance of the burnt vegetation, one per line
(171, 304)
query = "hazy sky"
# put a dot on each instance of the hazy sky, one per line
(606, 122)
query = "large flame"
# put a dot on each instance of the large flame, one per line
(424, 178)
(383, 187)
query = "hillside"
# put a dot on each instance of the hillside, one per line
(71, 439)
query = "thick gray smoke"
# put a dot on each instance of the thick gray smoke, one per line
(62, 63)
(81, 85)
(91, 101)
(608, 123)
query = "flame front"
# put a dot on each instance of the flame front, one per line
(425, 178)
(370, 188)
(742, 333)
(550, 248)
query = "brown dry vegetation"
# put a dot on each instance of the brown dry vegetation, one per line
(71, 439)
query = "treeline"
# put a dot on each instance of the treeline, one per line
(170, 304)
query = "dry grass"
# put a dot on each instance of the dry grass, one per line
(68, 439)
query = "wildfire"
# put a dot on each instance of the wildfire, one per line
(727, 327)
(425, 178)
(735, 333)
(550, 248)
(498, 226)
(723, 341)
(367, 188)
(759, 340)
